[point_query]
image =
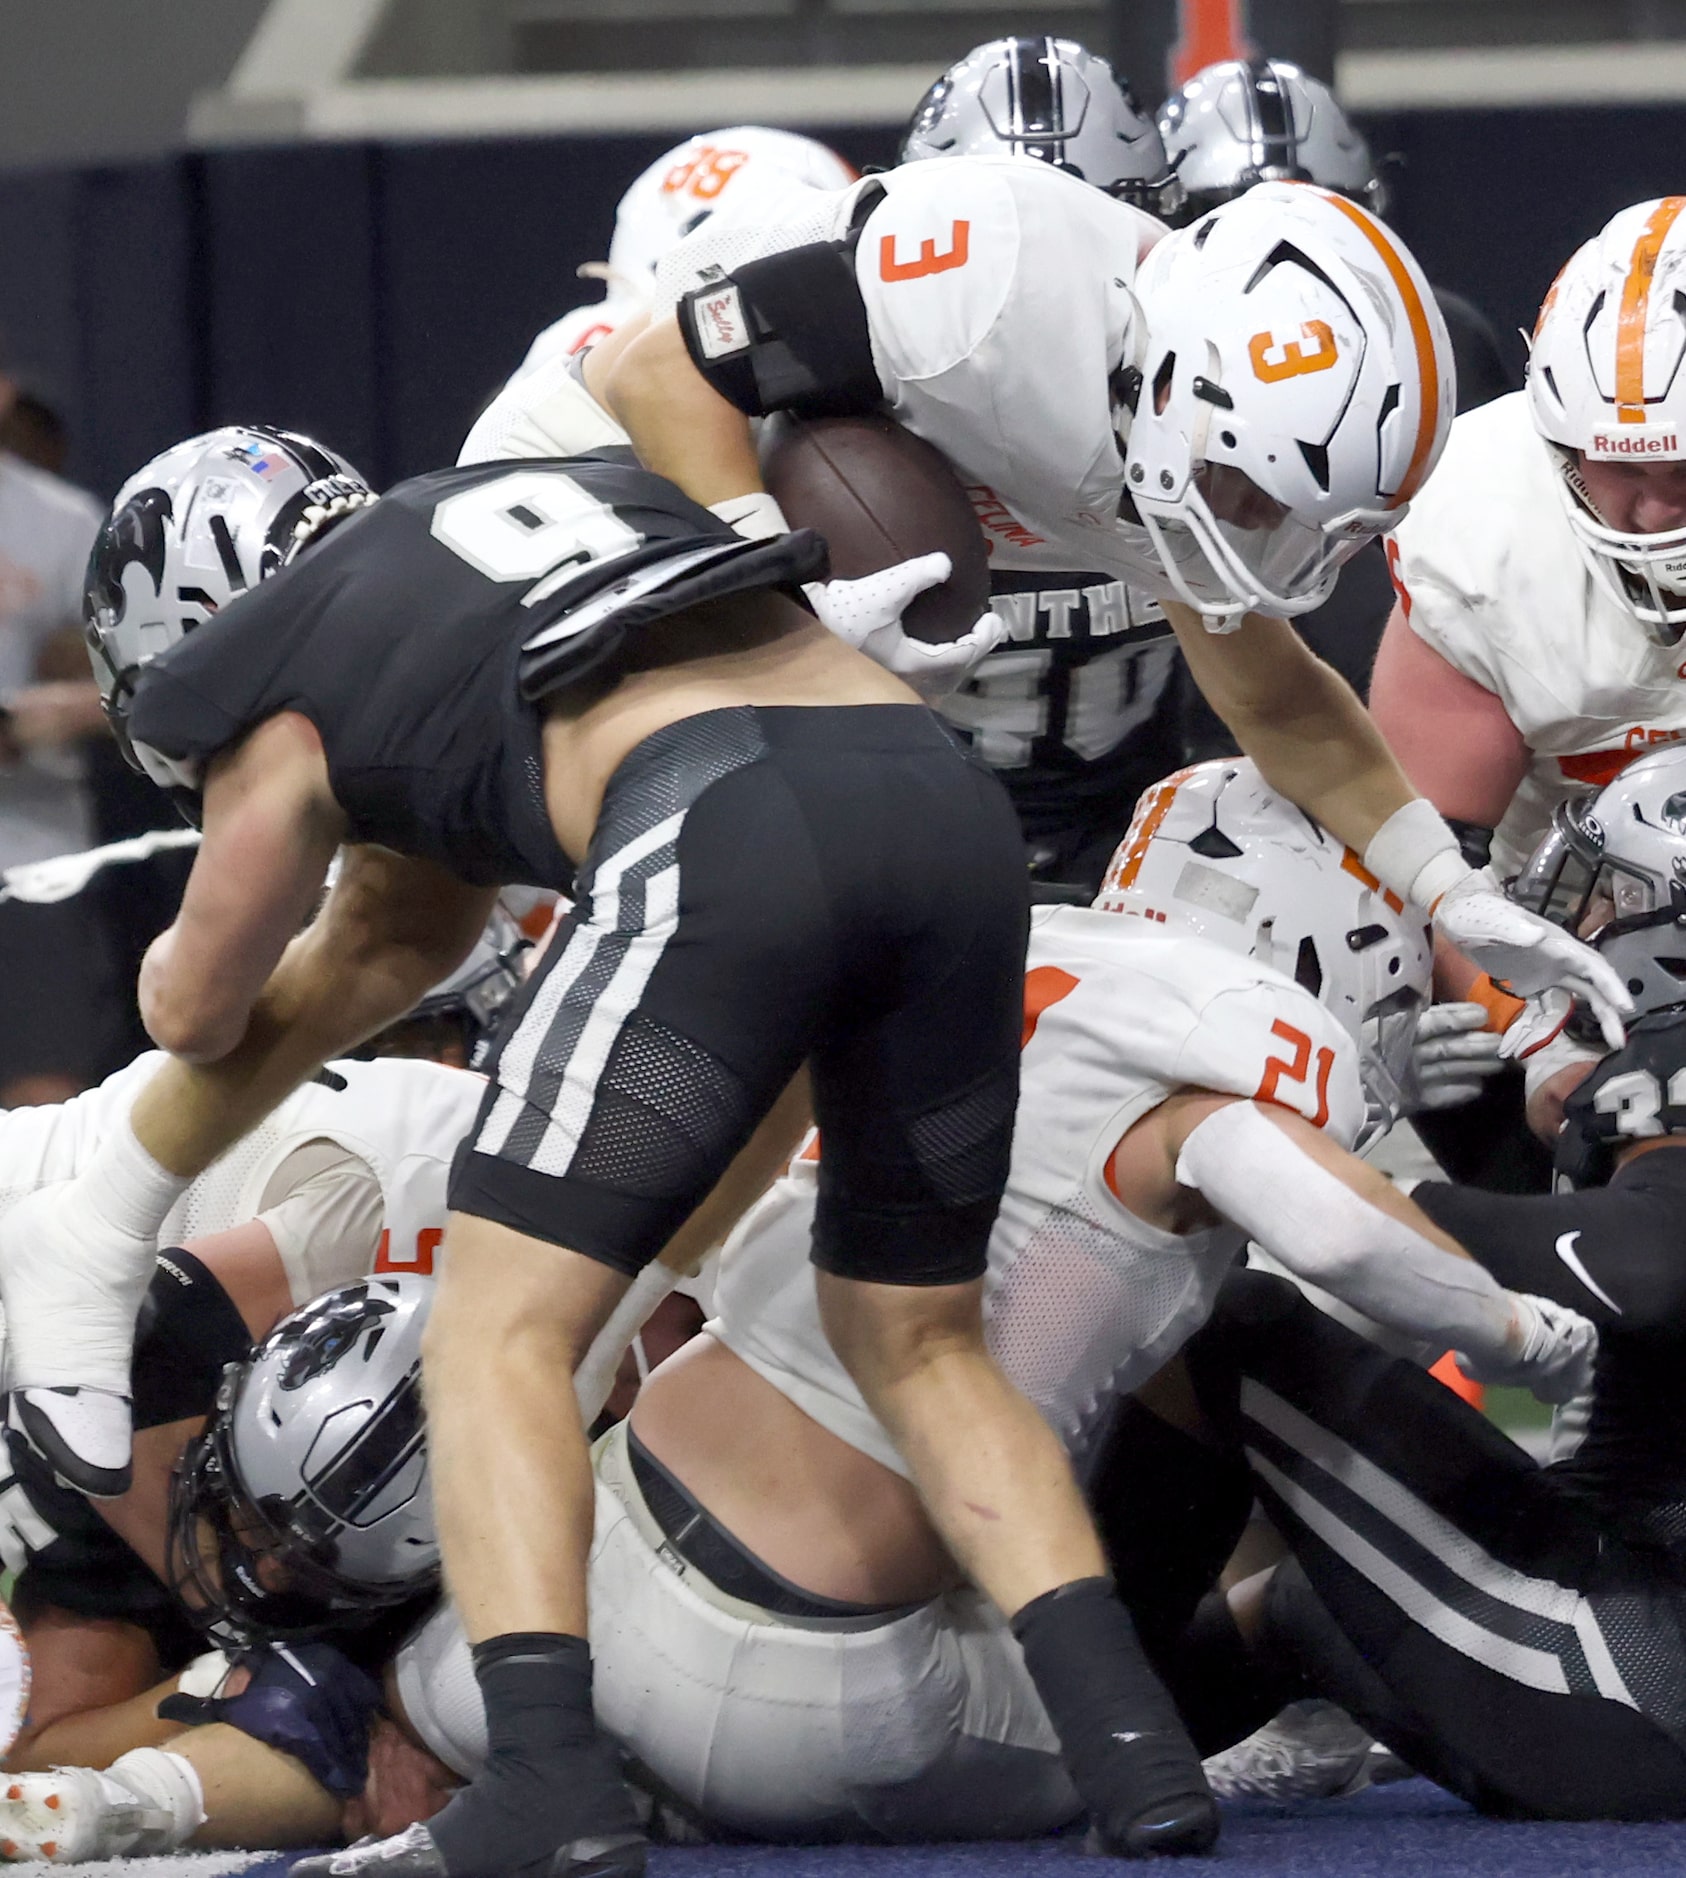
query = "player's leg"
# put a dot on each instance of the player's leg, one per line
(914, 1106)
(1467, 1609)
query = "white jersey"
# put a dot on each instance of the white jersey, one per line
(998, 297)
(1083, 1300)
(398, 1118)
(1492, 579)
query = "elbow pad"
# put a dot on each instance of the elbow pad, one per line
(786, 333)
(1319, 1229)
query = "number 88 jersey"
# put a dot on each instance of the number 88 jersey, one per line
(421, 636)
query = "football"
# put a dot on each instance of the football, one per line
(881, 495)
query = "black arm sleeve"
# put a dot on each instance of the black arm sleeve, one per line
(188, 1330)
(1617, 1253)
(786, 333)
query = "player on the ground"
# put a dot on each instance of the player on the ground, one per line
(502, 673)
(745, 174)
(1255, 1008)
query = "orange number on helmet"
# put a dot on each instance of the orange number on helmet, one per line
(929, 261)
(1275, 359)
(1279, 1069)
(705, 174)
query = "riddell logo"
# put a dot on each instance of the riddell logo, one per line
(1604, 443)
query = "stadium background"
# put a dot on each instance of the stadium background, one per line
(350, 216)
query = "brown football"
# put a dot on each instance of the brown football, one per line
(881, 495)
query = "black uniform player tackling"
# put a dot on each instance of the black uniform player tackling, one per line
(1516, 1632)
(784, 880)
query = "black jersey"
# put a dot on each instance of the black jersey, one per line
(1618, 1255)
(406, 636)
(55, 1538)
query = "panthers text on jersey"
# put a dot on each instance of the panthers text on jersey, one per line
(1083, 1301)
(1490, 576)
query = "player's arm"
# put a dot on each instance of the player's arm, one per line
(392, 927)
(1332, 1220)
(1298, 719)
(1612, 1253)
(1453, 737)
(681, 427)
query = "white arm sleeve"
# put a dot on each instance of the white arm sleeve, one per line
(1320, 1230)
(324, 1210)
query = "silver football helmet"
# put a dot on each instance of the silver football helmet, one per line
(1055, 101)
(305, 1502)
(1247, 121)
(460, 1012)
(197, 526)
(1613, 870)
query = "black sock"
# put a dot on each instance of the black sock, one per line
(1125, 1747)
(1223, 1687)
(549, 1778)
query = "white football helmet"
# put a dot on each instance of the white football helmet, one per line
(1215, 851)
(1607, 379)
(1296, 388)
(1052, 100)
(1613, 871)
(746, 165)
(197, 526)
(1247, 121)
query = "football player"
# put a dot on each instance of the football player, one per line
(1532, 649)
(781, 1641)
(498, 674)
(743, 174)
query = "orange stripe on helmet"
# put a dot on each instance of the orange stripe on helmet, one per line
(1151, 811)
(1636, 303)
(1422, 339)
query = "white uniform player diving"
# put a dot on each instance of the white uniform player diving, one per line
(922, 1722)
(744, 173)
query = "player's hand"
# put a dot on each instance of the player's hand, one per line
(868, 614)
(1556, 1349)
(1452, 1054)
(1553, 1062)
(1527, 954)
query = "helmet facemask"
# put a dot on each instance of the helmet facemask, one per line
(1644, 574)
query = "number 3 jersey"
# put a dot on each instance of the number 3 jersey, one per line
(1083, 1300)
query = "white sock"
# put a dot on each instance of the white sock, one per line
(128, 1185)
(168, 1786)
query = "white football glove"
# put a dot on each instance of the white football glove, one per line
(1527, 954)
(1539, 1041)
(1556, 1349)
(1452, 1054)
(868, 614)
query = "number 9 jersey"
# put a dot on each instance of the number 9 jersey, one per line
(421, 636)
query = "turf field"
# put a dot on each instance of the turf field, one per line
(1410, 1830)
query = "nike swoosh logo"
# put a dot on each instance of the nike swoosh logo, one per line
(1566, 1252)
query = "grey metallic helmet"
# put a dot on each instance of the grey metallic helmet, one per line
(305, 1503)
(196, 527)
(1247, 121)
(1613, 870)
(1055, 101)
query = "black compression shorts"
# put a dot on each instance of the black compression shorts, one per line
(842, 886)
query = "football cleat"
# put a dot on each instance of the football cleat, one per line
(414, 1854)
(69, 1815)
(1310, 1751)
